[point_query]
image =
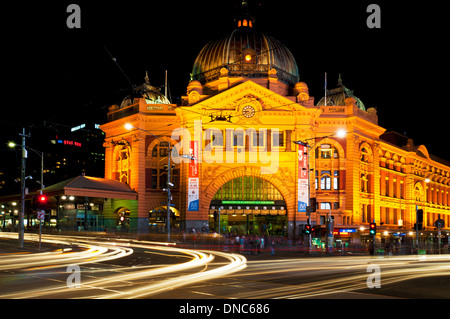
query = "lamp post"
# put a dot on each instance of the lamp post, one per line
(341, 133)
(41, 154)
(24, 156)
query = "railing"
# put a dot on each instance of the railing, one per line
(247, 70)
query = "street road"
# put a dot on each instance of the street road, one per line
(124, 268)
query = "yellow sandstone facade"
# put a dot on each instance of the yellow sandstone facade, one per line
(246, 107)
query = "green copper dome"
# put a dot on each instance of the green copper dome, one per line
(248, 53)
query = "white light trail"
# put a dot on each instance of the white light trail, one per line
(145, 281)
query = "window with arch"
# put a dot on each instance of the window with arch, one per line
(365, 155)
(248, 188)
(328, 180)
(122, 163)
(419, 193)
(327, 151)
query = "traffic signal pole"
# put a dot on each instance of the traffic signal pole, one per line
(419, 220)
(22, 187)
(169, 195)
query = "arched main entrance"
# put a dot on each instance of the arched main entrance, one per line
(248, 205)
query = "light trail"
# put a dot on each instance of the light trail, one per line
(351, 274)
(59, 257)
(237, 262)
(210, 271)
(145, 280)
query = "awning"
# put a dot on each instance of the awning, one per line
(91, 187)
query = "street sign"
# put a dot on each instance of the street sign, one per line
(41, 215)
(440, 223)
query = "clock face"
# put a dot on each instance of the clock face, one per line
(248, 111)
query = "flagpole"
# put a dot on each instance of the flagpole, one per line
(325, 88)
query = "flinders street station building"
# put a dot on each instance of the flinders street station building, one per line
(249, 151)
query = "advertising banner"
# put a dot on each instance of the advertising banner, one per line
(193, 179)
(303, 191)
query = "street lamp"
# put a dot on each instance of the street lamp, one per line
(41, 154)
(24, 156)
(129, 126)
(341, 133)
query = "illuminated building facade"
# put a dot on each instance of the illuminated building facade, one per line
(243, 111)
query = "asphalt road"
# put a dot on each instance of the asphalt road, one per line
(131, 269)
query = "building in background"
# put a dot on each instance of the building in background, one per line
(69, 150)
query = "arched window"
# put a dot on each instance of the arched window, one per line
(122, 164)
(248, 188)
(325, 180)
(419, 193)
(365, 155)
(326, 151)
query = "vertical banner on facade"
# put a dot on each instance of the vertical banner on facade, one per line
(193, 180)
(303, 191)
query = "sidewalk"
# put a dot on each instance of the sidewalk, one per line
(11, 246)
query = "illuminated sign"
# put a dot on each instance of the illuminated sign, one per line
(193, 180)
(76, 128)
(66, 142)
(302, 183)
(248, 202)
(350, 230)
(344, 231)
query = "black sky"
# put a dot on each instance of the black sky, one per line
(59, 74)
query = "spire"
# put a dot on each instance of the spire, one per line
(243, 18)
(340, 80)
(147, 80)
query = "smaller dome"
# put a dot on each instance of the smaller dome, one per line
(195, 86)
(151, 94)
(338, 96)
(301, 87)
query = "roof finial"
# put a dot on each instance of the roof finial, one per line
(147, 80)
(244, 19)
(340, 80)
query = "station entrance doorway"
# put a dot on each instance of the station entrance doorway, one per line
(248, 205)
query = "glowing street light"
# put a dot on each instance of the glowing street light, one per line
(128, 126)
(341, 133)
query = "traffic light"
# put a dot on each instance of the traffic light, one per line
(307, 229)
(373, 228)
(43, 199)
(419, 216)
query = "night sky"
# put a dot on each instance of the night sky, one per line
(64, 75)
